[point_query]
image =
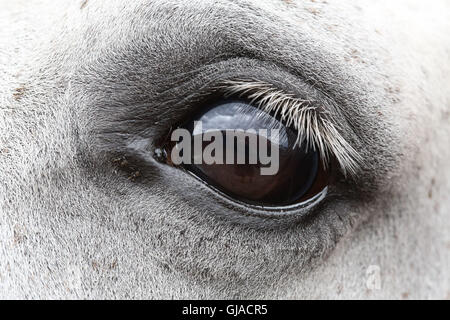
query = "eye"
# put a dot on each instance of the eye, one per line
(249, 155)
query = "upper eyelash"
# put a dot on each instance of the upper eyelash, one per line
(303, 115)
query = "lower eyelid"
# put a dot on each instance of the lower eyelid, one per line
(220, 206)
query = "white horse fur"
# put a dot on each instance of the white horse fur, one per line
(88, 87)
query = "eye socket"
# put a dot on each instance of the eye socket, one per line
(251, 156)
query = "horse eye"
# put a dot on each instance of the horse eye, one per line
(250, 155)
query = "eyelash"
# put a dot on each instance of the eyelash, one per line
(305, 116)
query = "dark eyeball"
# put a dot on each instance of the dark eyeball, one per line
(251, 156)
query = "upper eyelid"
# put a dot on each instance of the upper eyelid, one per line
(191, 92)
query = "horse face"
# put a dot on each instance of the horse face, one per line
(90, 89)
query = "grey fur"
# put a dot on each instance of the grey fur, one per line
(88, 88)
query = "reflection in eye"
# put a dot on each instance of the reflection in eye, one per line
(256, 159)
